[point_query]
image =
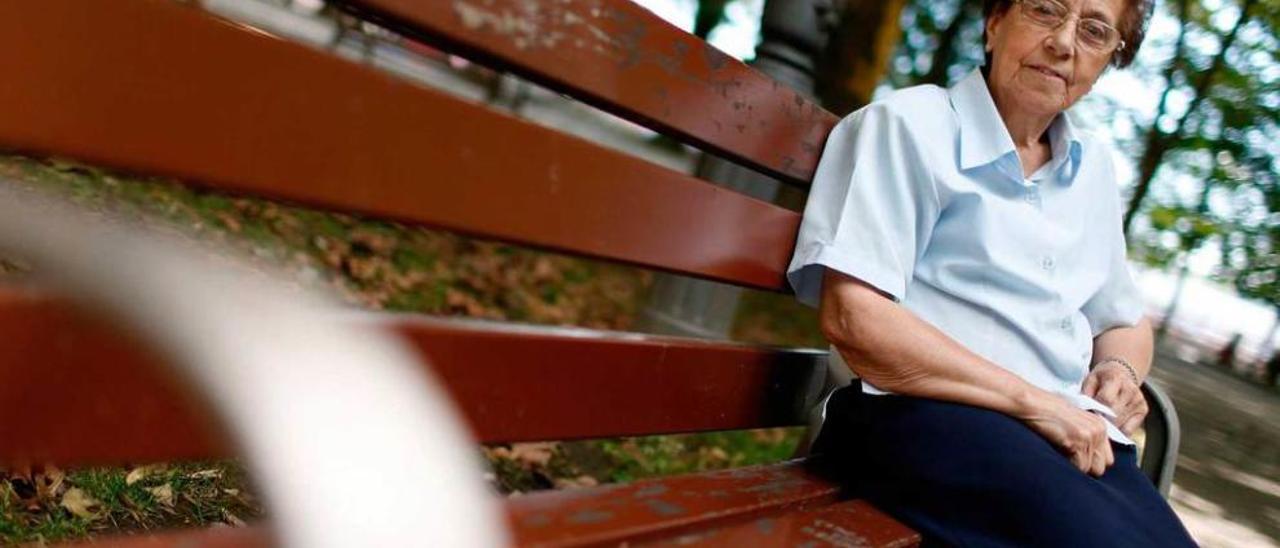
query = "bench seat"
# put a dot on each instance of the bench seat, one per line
(774, 505)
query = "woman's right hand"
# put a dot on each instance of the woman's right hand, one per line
(1078, 434)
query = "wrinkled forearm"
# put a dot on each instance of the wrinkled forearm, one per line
(1133, 344)
(895, 350)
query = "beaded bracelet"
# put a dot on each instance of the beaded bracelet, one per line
(1133, 373)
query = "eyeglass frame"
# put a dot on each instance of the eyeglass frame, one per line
(1119, 45)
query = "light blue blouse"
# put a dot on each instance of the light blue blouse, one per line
(922, 196)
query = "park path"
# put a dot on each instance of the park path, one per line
(1227, 486)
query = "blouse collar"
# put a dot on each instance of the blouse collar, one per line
(984, 139)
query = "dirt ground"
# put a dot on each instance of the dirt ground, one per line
(1227, 486)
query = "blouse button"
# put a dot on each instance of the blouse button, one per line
(1047, 263)
(1066, 324)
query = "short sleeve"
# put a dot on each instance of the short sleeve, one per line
(871, 208)
(1118, 303)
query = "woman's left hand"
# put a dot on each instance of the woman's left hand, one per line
(1111, 385)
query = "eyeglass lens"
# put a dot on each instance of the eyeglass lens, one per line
(1090, 32)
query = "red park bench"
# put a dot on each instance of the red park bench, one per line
(162, 88)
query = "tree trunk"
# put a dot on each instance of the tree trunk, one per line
(1189, 244)
(1154, 149)
(1268, 343)
(1170, 310)
(1157, 144)
(859, 53)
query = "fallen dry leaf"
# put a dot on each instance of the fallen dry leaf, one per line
(715, 455)
(49, 482)
(576, 483)
(537, 454)
(380, 244)
(35, 487)
(206, 474)
(80, 503)
(232, 519)
(229, 221)
(163, 494)
(140, 473)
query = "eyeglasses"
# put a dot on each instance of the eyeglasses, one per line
(1092, 33)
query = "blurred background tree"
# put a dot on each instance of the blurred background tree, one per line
(939, 43)
(1206, 161)
(1202, 149)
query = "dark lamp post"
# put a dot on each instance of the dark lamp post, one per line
(794, 34)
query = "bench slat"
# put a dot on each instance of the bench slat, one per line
(75, 392)
(156, 87)
(852, 523)
(97, 398)
(544, 384)
(664, 507)
(624, 59)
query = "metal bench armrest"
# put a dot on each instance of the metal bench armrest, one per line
(1164, 433)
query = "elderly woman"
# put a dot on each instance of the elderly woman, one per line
(965, 250)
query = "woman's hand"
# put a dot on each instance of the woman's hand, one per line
(1111, 384)
(1078, 434)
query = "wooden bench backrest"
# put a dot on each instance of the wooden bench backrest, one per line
(620, 57)
(156, 87)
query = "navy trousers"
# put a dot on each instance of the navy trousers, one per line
(966, 476)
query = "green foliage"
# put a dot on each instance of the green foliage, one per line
(1207, 161)
(941, 41)
(645, 457)
(9, 527)
(412, 259)
(50, 506)
(1163, 217)
(637, 458)
(523, 467)
(179, 495)
(777, 320)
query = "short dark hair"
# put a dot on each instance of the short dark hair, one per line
(1132, 26)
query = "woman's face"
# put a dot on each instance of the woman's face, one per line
(1040, 71)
